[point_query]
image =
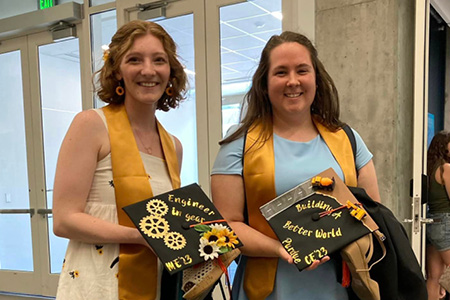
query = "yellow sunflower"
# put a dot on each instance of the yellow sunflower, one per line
(212, 236)
(227, 238)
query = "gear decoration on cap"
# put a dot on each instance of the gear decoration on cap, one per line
(175, 241)
(157, 207)
(154, 226)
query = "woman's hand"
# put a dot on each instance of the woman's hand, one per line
(284, 255)
(317, 263)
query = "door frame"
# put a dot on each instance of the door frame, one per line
(418, 217)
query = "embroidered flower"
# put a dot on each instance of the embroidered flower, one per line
(105, 49)
(99, 249)
(208, 250)
(227, 238)
(74, 274)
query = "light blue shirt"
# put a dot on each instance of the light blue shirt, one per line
(295, 162)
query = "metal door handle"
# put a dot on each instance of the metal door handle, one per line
(44, 211)
(18, 211)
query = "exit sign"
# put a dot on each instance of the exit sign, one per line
(43, 4)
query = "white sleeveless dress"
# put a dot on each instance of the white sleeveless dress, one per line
(90, 271)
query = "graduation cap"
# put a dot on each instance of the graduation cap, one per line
(183, 227)
(317, 218)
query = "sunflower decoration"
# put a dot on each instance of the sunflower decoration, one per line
(208, 250)
(215, 239)
(214, 236)
(218, 226)
(227, 239)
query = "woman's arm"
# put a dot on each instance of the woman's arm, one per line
(77, 161)
(367, 179)
(228, 196)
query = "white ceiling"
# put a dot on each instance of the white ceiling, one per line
(443, 8)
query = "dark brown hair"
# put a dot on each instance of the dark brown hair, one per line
(121, 42)
(325, 107)
(437, 154)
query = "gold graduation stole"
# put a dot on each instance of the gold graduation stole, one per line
(138, 266)
(259, 181)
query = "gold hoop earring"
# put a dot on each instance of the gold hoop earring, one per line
(119, 90)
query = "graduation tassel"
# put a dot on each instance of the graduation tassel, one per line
(345, 275)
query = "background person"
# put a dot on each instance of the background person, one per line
(293, 124)
(113, 157)
(438, 232)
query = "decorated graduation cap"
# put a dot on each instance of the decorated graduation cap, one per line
(317, 218)
(183, 228)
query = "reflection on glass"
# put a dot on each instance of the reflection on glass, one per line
(182, 122)
(103, 27)
(15, 230)
(59, 66)
(244, 30)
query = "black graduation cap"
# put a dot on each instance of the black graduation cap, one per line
(183, 227)
(317, 218)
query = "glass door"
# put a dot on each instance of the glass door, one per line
(17, 205)
(41, 95)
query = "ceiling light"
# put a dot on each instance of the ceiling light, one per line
(277, 14)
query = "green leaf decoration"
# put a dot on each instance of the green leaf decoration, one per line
(223, 250)
(202, 228)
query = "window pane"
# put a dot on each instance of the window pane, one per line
(15, 230)
(244, 30)
(60, 102)
(103, 27)
(98, 2)
(182, 121)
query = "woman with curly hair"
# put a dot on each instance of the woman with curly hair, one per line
(113, 157)
(291, 132)
(438, 232)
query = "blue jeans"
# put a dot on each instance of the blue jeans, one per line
(438, 232)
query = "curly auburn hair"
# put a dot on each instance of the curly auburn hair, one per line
(325, 107)
(437, 154)
(121, 42)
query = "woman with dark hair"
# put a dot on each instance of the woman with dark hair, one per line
(113, 157)
(438, 234)
(291, 132)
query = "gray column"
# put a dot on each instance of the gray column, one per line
(367, 47)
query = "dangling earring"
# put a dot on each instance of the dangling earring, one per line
(119, 90)
(169, 90)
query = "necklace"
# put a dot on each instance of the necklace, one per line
(147, 149)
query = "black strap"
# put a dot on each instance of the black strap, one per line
(351, 137)
(245, 195)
